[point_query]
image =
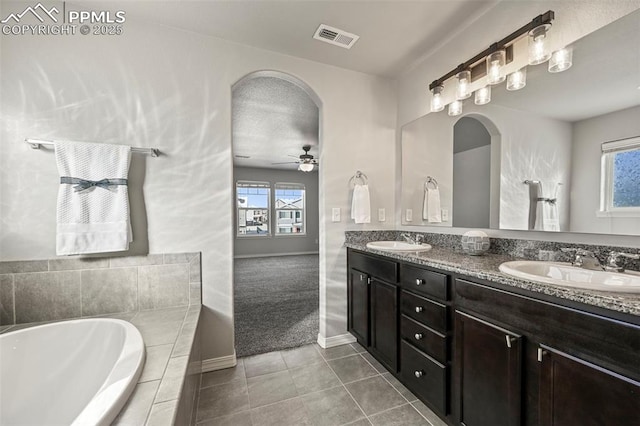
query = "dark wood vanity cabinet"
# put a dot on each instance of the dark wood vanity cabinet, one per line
(575, 391)
(373, 306)
(488, 373)
(481, 354)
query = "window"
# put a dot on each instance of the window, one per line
(290, 208)
(620, 183)
(252, 202)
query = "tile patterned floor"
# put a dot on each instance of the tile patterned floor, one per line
(343, 385)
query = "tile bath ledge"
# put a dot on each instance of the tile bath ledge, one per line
(166, 390)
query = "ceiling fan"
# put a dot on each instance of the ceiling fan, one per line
(305, 161)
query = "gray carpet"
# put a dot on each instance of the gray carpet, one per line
(276, 303)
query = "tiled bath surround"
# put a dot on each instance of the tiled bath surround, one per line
(63, 288)
(522, 249)
(160, 294)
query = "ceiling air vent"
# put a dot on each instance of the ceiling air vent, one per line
(335, 36)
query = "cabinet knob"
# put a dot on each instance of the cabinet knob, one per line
(419, 281)
(418, 373)
(419, 309)
(418, 336)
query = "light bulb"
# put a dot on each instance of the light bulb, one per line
(495, 67)
(436, 99)
(483, 96)
(561, 60)
(517, 80)
(539, 45)
(305, 167)
(455, 108)
(462, 90)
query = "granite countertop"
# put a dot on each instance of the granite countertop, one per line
(486, 268)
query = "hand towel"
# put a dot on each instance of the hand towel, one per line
(93, 198)
(360, 204)
(431, 210)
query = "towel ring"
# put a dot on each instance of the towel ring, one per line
(358, 176)
(432, 181)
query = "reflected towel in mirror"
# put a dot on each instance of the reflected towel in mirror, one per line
(431, 206)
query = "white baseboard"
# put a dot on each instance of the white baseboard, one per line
(213, 364)
(329, 342)
(249, 256)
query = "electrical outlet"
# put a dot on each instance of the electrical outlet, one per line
(408, 215)
(381, 215)
(335, 214)
(445, 215)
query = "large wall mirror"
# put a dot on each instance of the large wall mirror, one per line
(541, 158)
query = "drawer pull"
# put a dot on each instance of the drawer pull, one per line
(510, 340)
(418, 373)
(419, 281)
(418, 336)
(419, 309)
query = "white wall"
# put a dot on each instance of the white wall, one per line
(171, 89)
(573, 21)
(588, 136)
(271, 245)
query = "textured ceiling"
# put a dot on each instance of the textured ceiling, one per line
(272, 119)
(394, 34)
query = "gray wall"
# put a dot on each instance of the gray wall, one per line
(472, 187)
(282, 244)
(588, 136)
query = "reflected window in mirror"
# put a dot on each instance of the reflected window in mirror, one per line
(620, 187)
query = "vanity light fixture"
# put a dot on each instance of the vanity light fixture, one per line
(437, 104)
(517, 80)
(483, 96)
(491, 62)
(561, 60)
(464, 80)
(455, 108)
(539, 45)
(305, 167)
(495, 66)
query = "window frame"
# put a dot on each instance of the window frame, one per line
(609, 150)
(256, 184)
(276, 210)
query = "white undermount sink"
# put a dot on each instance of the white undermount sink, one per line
(564, 274)
(397, 246)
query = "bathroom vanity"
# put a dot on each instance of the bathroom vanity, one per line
(480, 348)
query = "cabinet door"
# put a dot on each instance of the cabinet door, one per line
(576, 392)
(488, 368)
(358, 297)
(384, 323)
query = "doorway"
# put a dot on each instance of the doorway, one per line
(275, 139)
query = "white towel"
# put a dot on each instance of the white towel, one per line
(94, 220)
(547, 210)
(360, 204)
(431, 206)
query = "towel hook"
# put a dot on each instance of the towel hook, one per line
(358, 176)
(431, 180)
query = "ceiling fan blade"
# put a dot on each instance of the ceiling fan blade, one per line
(287, 162)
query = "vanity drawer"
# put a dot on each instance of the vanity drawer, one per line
(428, 312)
(386, 270)
(425, 282)
(425, 339)
(424, 376)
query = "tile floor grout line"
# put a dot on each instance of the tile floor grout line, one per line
(347, 390)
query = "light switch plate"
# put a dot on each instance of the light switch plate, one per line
(408, 215)
(335, 214)
(445, 215)
(381, 215)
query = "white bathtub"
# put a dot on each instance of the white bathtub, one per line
(78, 372)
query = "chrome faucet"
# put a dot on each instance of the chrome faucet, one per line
(412, 240)
(584, 259)
(612, 260)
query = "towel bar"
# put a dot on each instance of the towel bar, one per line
(38, 143)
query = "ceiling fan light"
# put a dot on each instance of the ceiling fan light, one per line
(305, 167)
